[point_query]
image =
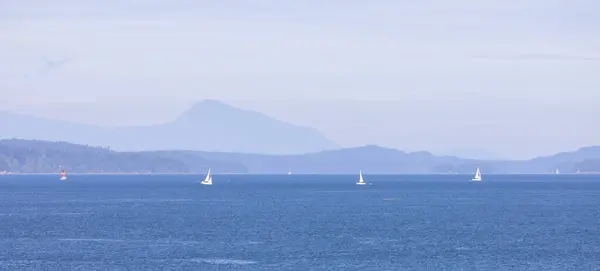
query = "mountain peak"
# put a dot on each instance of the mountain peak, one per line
(208, 108)
(210, 104)
(209, 125)
(213, 125)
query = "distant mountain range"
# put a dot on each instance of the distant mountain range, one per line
(44, 156)
(33, 156)
(473, 153)
(376, 159)
(208, 126)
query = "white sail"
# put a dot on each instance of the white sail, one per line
(361, 181)
(208, 179)
(290, 171)
(556, 172)
(477, 176)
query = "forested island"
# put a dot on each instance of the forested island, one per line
(36, 156)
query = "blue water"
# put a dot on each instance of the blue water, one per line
(245, 222)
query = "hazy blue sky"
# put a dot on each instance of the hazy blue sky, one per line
(517, 78)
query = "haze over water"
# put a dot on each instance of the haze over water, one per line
(300, 222)
(476, 79)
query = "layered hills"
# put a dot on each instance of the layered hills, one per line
(18, 155)
(207, 126)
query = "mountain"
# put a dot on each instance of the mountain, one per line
(586, 159)
(473, 153)
(376, 159)
(588, 165)
(33, 156)
(368, 158)
(208, 126)
(44, 156)
(28, 127)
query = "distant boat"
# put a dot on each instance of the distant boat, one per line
(290, 172)
(361, 181)
(63, 175)
(208, 179)
(556, 172)
(477, 177)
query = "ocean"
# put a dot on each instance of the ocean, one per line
(300, 222)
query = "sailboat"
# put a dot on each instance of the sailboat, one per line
(208, 179)
(63, 175)
(361, 181)
(477, 177)
(556, 172)
(290, 171)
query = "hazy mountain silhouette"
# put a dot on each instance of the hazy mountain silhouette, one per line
(208, 126)
(376, 159)
(473, 153)
(585, 159)
(44, 156)
(29, 127)
(370, 158)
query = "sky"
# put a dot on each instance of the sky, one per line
(503, 78)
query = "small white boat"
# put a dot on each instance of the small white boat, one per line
(290, 171)
(361, 181)
(477, 177)
(208, 179)
(556, 172)
(63, 175)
